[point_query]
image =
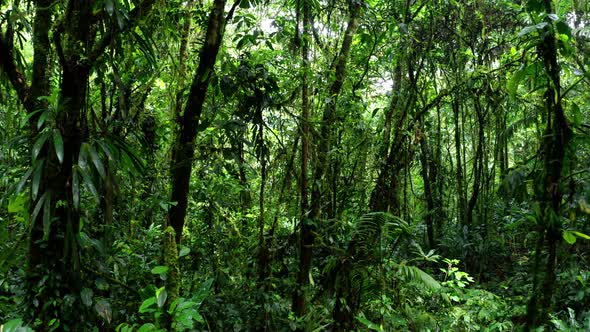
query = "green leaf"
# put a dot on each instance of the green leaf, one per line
(184, 251)
(145, 306)
(109, 6)
(147, 327)
(160, 269)
(39, 143)
(38, 206)
(203, 291)
(30, 115)
(58, 144)
(37, 178)
(162, 295)
(370, 325)
(96, 161)
(16, 204)
(531, 28)
(15, 325)
(107, 150)
(23, 180)
(197, 316)
(569, 237)
(582, 235)
(41, 120)
(86, 295)
(88, 182)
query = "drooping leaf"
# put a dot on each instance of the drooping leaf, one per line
(58, 145)
(147, 304)
(96, 161)
(162, 295)
(23, 180)
(39, 143)
(38, 206)
(37, 178)
(88, 182)
(582, 235)
(41, 120)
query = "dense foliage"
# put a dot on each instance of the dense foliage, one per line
(341, 165)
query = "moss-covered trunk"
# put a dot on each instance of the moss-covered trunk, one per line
(184, 145)
(556, 140)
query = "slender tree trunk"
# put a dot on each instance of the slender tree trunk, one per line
(557, 137)
(263, 251)
(425, 161)
(184, 145)
(325, 143)
(435, 178)
(341, 314)
(461, 201)
(477, 164)
(306, 236)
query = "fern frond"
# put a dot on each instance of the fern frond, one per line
(414, 274)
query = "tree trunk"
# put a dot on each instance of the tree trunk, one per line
(461, 200)
(306, 236)
(53, 250)
(425, 161)
(477, 163)
(557, 137)
(184, 145)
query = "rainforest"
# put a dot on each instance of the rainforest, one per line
(294, 165)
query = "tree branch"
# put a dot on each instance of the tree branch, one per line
(8, 66)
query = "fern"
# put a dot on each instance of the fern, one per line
(414, 274)
(376, 230)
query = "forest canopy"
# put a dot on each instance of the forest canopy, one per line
(294, 165)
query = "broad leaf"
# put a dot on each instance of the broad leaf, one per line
(569, 237)
(160, 269)
(162, 295)
(145, 306)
